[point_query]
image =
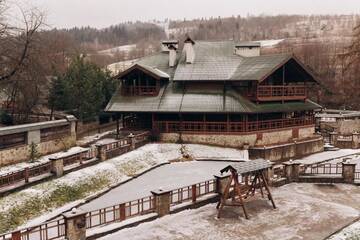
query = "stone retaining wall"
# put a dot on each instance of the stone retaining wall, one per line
(21, 153)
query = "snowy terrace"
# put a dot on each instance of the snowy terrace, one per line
(305, 211)
(51, 198)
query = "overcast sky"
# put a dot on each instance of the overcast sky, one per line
(103, 13)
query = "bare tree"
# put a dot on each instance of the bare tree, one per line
(15, 41)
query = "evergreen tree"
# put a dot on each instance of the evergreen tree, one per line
(83, 90)
(34, 153)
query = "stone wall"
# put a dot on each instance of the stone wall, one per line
(288, 151)
(348, 126)
(275, 145)
(232, 140)
(33, 135)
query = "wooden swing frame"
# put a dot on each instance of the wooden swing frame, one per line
(240, 193)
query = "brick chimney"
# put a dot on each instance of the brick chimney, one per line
(189, 50)
(172, 55)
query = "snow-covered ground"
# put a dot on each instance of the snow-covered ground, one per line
(351, 232)
(112, 172)
(123, 48)
(89, 139)
(270, 43)
(328, 155)
(167, 177)
(41, 160)
(305, 211)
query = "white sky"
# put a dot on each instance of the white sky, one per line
(103, 13)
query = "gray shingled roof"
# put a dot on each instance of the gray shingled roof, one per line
(216, 61)
(256, 68)
(213, 61)
(173, 98)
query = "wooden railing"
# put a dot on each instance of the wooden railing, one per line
(116, 213)
(187, 193)
(25, 174)
(324, 168)
(46, 231)
(120, 212)
(357, 175)
(277, 93)
(234, 127)
(140, 91)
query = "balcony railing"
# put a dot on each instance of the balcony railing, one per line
(230, 127)
(278, 93)
(140, 90)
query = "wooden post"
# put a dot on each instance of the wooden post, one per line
(27, 171)
(122, 212)
(153, 121)
(283, 83)
(117, 127)
(227, 122)
(16, 235)
(193, 193)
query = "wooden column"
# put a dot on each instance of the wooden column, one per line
(283, 83)
(117, 126)
(227, 122)
(153, 121)
(204, 122)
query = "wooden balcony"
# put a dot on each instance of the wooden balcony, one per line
(140, 91)
(230, 127)
(280, 93)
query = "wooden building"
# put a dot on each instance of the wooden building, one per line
(221, 93)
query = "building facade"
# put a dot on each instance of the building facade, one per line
(220, 93)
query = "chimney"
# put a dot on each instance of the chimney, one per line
(248, 49)
(165, 44)
(172, 55)
(189, 50)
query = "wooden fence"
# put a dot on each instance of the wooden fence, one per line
(112, 150)
(25, 174)
(117, 213)
(192, 192)
(234, 127)
(120, 212)
(324, 168)
(357, 175)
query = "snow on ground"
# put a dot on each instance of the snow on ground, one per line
(167, 177)
(41, 160)
(112, 171)
(123, 48)
(89, 139)
(121, 168)
(270, 43)
(351, 232)
(305, 211)
(209, 152)
(327, 155)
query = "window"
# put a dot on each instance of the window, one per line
(49, 134)
(12, 140)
